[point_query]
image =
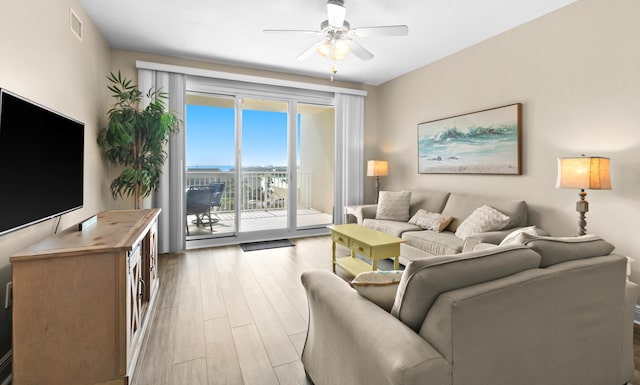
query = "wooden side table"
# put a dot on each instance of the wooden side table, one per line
(371, 244)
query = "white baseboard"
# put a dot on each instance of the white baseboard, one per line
(636, 315)
(5, 362)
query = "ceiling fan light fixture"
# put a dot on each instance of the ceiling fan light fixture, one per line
(340, 49)
(324, 48)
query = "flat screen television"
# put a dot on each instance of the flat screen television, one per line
(41, 163)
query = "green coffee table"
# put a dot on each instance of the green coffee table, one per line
(371, 244)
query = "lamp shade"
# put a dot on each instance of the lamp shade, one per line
(377, 168)
(584, 173)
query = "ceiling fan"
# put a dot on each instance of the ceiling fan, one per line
(338, 38)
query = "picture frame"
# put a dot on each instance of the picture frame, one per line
(482, 142)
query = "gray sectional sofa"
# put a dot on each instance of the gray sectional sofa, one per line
(546, 312)
(421, 243)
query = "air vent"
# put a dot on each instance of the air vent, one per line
(75, 24)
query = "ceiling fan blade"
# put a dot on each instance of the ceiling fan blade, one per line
(309, 51)
(304, 31)
(359, 50)
(387, 30)
(336, 11)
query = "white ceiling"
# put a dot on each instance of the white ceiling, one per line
(230, 31)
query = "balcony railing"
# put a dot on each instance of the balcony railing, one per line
(260, 189)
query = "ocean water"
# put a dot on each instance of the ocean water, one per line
(221, 168)
(475, 149)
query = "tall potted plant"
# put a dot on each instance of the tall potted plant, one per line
(135, 138)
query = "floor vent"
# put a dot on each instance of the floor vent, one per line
(75, 24)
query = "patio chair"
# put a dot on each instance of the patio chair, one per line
(199, 204)
(216, 197)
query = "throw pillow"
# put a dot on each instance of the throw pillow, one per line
(513, 239)
(430, 221)
(378, 287)
(393, 205)
(481, 220)
(563, 249)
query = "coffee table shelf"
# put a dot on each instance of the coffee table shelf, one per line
(354, 266)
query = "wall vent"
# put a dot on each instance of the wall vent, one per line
(75, 24)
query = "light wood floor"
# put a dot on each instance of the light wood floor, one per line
(228, 317)
(224, 316)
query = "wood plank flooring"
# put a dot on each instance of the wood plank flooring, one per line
(224, 316)
(228, 317)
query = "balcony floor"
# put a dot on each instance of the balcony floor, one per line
(256, 220)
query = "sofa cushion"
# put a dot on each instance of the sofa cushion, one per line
(394, 228)
(434, 243)
(393, 205)
(430, 200)
(562, 249)
(425, 279)
(460, 206)
(430, 221)
(484, 218)
(378, 287)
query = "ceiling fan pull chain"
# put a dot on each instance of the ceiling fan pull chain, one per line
(334, 69)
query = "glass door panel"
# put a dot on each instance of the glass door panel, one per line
(264, 173)
(210, 166)
(315, 165)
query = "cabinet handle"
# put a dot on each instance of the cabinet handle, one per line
(360, 249)
(340, 239)
(143, 287)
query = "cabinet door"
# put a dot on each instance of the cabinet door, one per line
(136, 288)
(150, 256)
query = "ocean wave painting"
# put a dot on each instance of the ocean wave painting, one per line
(484, 142)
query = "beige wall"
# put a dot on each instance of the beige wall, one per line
(577, 73)
(43, 61)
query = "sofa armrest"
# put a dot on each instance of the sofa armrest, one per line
(350, 340)
(361, 212)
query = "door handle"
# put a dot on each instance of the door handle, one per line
(143, 287)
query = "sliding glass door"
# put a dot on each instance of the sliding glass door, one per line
(315, 165)
(257, 168)
(210, 162)
(265, 171)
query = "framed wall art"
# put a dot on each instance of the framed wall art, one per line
(482, 142)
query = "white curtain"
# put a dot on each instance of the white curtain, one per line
(170, 194)
(349, 152)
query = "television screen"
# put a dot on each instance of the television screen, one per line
(41, 163)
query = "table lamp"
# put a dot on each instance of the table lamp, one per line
(377, 168)
(584, 173)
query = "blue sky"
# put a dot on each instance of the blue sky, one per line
(210, 137)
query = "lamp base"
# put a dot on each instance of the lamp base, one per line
(582, 207)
